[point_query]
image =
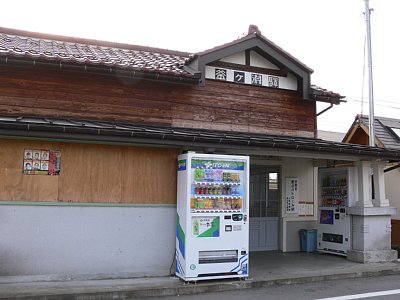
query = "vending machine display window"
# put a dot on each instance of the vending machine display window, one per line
(216, 190)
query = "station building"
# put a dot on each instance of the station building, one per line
(90, 132)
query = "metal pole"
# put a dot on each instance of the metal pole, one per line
(370, 83)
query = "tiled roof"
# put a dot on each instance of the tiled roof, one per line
(382, 130)
(330, 135)
(128, 133)
(97, 54)
(320, 94)
(77, 51)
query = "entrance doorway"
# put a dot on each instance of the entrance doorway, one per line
(264, 208)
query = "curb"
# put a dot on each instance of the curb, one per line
(198, 288)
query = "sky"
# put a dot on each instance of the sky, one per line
(326, 35)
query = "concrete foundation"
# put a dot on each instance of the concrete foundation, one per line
(371, 229)
(82, 241)
(372, 256)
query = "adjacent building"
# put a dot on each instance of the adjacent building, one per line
(387, 135)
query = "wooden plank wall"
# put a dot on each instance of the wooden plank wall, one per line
(217, 105)
(14, 186)
(360, 137)
(91, 174)
(244, 108)
(396, 232)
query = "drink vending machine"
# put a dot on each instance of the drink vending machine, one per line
(212, 234)
(334, 224)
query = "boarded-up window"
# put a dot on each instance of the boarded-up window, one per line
(91, 174)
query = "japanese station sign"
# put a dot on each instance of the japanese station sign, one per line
(250, 78)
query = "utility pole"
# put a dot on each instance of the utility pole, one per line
(370, 83)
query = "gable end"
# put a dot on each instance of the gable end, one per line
(263, 47)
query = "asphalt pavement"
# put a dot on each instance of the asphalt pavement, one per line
(382, 288)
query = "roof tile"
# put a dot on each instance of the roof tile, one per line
(36, 46)
(44, 126)
(383, 130)
(91, 54)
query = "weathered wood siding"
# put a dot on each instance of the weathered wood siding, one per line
(396, 232)
(91, 174)
(217, 105)
(359, 137)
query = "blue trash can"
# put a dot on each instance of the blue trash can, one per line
(308, 240)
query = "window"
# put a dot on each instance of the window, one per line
(264, 193)
(396, 131)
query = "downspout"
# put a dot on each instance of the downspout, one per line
(318, 114)
(392, 168)
(326, 109)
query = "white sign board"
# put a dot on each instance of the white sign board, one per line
(257, 79)
(292, 195)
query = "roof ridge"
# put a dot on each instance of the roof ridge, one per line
(378, 118)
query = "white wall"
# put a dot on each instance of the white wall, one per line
(392, 190)
(303, 169)
(72, 240)
(237, 58)
(256, 60)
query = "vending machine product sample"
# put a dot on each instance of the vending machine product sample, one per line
(212, 230)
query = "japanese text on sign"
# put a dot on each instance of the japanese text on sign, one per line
(273, 81)
(239, 77)
(292, 196)
(220, 74)
(256, 79)
(244, 77)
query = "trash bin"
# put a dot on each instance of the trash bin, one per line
(308, 240)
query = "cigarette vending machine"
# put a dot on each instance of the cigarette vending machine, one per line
(334, 224)
(212, 234)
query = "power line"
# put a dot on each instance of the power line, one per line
(383, 105)
(334, 121)
(379, 100)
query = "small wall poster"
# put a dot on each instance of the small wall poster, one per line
(42, 162)
(306, 209)
(292, 195)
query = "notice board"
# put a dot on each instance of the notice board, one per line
(292, 195)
